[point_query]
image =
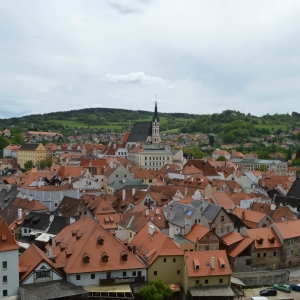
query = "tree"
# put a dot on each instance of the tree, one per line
(229, 137)
(262, 168)
(221, 158)
(155, 290)
(28, 165)
(289, 154)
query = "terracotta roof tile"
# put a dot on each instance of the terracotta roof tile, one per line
(246, 242)
(264, 238)
(204, 259)
(288, 229)
(7, 239)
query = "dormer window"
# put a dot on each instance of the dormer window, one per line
(57, 242)
(222, 263)
(105, 257)
(196, 263)
(3, 238)
(79, 235)
(74, 232)
(124, 255)
(86, 258)
(100, 240)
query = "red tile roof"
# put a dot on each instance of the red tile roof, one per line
(81, 238)
(204, 260)
(7, 239)
(264, 238)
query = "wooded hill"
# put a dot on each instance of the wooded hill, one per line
(229, 125)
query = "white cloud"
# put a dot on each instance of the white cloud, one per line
(138, 77)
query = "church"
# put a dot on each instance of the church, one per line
(144, 132)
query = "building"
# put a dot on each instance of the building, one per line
(251, 164)
(144, 132)
(33, 152)
(162, 256)
(9, 260)
(91, 257)
(207, 274)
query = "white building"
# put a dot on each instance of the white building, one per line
(9, 260)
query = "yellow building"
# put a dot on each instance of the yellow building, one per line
(33, 152)
(207, 274)
(160, 253)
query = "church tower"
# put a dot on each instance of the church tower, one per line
(155, 127)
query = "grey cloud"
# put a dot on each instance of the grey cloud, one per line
(138, 77)
(129, 6)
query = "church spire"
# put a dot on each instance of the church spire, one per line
(155, 117)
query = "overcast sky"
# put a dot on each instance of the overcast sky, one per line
(196, 56)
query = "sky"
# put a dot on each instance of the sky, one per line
(199, 57)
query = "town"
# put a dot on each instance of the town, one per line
(96, 220)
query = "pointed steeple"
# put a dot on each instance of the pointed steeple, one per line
(155, 117)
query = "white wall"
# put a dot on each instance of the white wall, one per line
(85, 278)
(12, 272)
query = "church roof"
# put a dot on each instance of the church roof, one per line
(140, 132)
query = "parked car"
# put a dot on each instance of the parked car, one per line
(268, 292)
(282, 287)
(295, 287)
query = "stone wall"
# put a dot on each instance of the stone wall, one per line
(259, 278)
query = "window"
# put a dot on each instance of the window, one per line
(165, 260)
(108, 275)
(55, 204)
(275, 253)
(178, 272)
(174, 259)
(206, 281)
(77, 277)
(265, 254)
(4, 293)
(93, 276)
(139, 273)
(290, 242)
(25, 230)
(221, 280)
(134, 273)
(155, 273)
(197, 281)
(150, 180)
(117, 175)
(4, 265)
(4, 279)
(42, 274)
(258, 254)
(124, 274)
(222, 218)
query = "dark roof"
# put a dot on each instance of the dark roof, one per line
(36, 221)
(58, 224)
(29, 147)
(212, 211)
(295, 188)
(9, 214)
(69, 206)
(237, 222)
(286, 200)
(140, 132)
(49, 290)
(7, 196)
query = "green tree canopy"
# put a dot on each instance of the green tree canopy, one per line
(28, 165)
(156, 290)
(221, 158)
(229, 137)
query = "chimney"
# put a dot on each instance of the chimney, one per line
(69, 180)
(133, 191)
(123, 194)
(151, 229)
(39, 184)
(185, 191)
(19, 214)
(30, 198)
(197, 239)
(171, 232)
(157, 211)
(213, 263)
(243, 215)
(115, 146)
(147, 211)
(50, 248)
(134, 250)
